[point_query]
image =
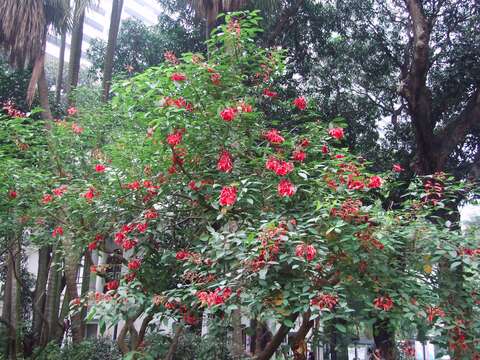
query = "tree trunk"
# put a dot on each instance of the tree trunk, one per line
(43, 96)
(174, 344)
(75, 56)
(237, 336)
(298, 344)
(85, 285)
(384, 340)
(39, 298)
(61, 64)
(276, 341)
(71, 269)
(117, 6)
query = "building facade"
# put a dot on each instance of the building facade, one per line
(97, 23)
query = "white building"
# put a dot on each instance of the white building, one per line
(97, 23)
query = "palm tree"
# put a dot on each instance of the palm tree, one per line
(117, 6)
(23, 35)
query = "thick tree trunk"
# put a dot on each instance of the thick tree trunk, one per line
(61, 65)
(85, 285)
(385, 340)
(276, 341)
(117, 6)
(75, 56)
(237, 336)
(43, 96)
(71, 271)
(298, 344)
(39, 298)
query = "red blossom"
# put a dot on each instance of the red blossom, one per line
(228, 195)
(47, 198)
(215, 78)
(58, 231)
(225, 162)
(269, 93)
(174, 138)
(92, 246)
(151, 214)
(280, 167)
(375, 182)
(100, 168)
(433, 312)
(274, 137)
(384, 303)
(285, 188)
(228, 114)
(135, 185)
(60, 190)
(71, 111)
(246, 108)
(398, 168)
(129, 244)
(193, 185)
(12, 194)
(178, 77)
(170, 57)
(134, 264)
(119, 237)
(306, 251)
(217, 297)
(300, 103)
(325, 149)
(355, 185)
(182, 255)
(77, 129)
(325, 301)
(336, 133)
(142, 227)
(90, 194)
(299, 155)
(304, 143)
(112, 285)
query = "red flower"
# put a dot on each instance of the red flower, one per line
(434, 312)
(299, 155)
(384, 303)
(215, 78)
(269, 93)
(100, 168)
(217, 297)
(306, 251)
(283, 168)
(228, 195)
(129, 244)
(274, 137)
(336, 133)
(178, 77)
(92, 246)
(228, 114)
(300, 103)
(375, 182)
(90, 194)
(225, 162)
(182, 255)
(60, 190)
(134, 264)
(325, 301)
(71, 111)
(47, 198)
(247, 108)
(310, 252)
(119, 237)
(112, 285)
(355, 185)
(151, 214)
(193, 185)
(285, 188)
(398, 168)
(170, 57)
(12, 194)
(339, 156)
(77, 129)
(142, 227)
(324, 149)
(304, 143)
(174, 139)
(58, 231)
(135, 185)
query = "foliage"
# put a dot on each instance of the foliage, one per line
(95, 349)
(140, 46)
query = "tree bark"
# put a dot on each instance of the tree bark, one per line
(115, 17)
(237, 336)
(43, 96)
(298, 344)
(61, 65)
(75, 56)
(276, 341)
(39, 298)
(174, 344)
(85, 285)
(385, 340)
(283, 21)
(71, 269)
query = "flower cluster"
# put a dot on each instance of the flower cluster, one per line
(216, 297)
(384, 303)
(306, 251)
(325, 301)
